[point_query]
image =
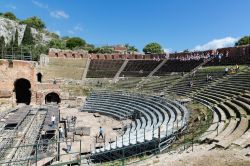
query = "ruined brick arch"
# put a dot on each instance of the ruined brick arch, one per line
(52, 96)
(73, 56)
(56, 54)
(81, 55)
(65, 55)
(22, 89)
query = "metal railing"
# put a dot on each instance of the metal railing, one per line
(56, 153)
(16, 53)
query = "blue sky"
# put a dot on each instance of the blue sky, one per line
(175, 24)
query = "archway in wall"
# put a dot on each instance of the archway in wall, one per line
(39, 77)
(52, 98)
(22, 89)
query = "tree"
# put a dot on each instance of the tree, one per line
(15, 44)
(75, 42)
(38, 50)
(2, 43)
(34, 22)
(57, 43)
(131, 49)
(11, 44)
(10, 16)
(101, 50)
(27, 37)
(153, 48)
(243, 41)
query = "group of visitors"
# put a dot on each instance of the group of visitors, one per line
(231, 70)
(199, 56)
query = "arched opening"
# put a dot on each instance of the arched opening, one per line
(22, 89)
(39, 77)
(65, 55)
(73, 55)
(81, 55)
(57, 55)
(52, 98)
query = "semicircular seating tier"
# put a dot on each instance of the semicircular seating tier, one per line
(153, 119)
(229, 99)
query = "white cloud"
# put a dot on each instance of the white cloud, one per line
(59, 14)
(216, 43)
(75, 29)
(40, 5)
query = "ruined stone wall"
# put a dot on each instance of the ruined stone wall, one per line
(10, 71)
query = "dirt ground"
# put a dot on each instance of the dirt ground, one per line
(85, 119)
(216, 157)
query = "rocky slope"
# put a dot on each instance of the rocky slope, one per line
(9, 27)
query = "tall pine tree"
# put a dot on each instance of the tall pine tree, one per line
(15, 44)
(2, 42)
(28, 39)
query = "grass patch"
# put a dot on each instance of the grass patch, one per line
(219, 68)
(76, 90)
(199, 121)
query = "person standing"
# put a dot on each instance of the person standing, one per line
(101, 132)
(53, 119)
(43, 133)
(237, 68)
(226, 70)
(69, 144)
(61, 132)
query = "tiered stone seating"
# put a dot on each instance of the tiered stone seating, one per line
(156, 83)
(147, 112)
(183, 88)
(231, 109)
(103, 68)
(128, 82)
(178, 66)
(139, 68)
